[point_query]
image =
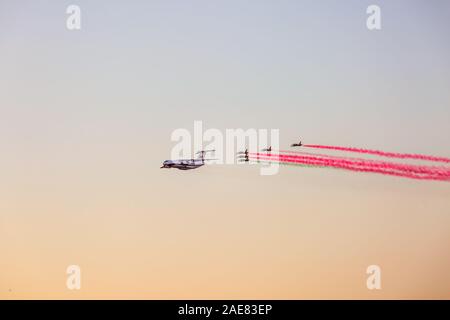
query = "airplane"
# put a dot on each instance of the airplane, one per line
(187, 164)
(244, 152)
(296, 144)
(245, 157)
(267, 149)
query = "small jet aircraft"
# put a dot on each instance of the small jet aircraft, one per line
(243, 152)
(187, 164)
(267, 149)
(243, 156)
(296, 144)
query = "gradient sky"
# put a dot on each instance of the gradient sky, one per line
(86, 118)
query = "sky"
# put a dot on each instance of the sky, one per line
(86, 118)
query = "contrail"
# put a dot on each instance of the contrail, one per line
(434, 167)
(324, 155)
(291, 164)
(442, 171)
(382, 153)
(360, 167)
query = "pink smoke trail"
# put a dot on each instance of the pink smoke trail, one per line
(382, 153)
(441, 171)
(324, 155)
(337, 164)
(362, 169)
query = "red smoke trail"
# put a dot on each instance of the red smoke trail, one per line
(445, 172)
(291, 164)
(363, 169)
(435, 168)
(382, 153)
(337, 164)
(323, 155)
(441, 171)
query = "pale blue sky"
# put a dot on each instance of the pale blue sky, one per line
(310, 68)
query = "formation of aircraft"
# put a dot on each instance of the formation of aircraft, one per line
(243, 156)
(187, 164)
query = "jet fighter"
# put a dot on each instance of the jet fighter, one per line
(243, 156)
(296, 144)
